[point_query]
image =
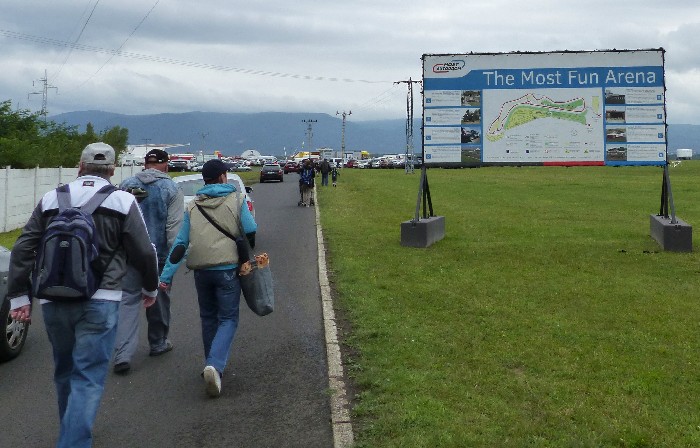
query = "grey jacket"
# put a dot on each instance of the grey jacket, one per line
(122, 233)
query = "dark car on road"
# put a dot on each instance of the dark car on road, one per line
(178, 165)
(291, 167)
(271, 171)
(15, 334)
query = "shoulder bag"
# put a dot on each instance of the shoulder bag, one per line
(256, 283)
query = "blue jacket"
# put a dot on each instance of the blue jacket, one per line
(183, 237)
(163, 209)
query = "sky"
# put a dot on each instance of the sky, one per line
(150, 56)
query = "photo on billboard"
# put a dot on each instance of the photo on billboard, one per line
(544, 108)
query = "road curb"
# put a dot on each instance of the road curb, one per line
(340, 407)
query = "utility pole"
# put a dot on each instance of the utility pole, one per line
(204, 139)
(309, 133)
(342, 141)
(44, 93)
(410, 154)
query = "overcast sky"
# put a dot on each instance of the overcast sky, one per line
(147, 56)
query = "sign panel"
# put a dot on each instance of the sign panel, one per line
(559, 108)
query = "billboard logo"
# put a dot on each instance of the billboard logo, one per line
(446, 67)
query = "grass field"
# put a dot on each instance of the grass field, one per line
(546, 317)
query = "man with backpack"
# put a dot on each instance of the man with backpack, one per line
(306, 183)
(75, 247)
(162, 206)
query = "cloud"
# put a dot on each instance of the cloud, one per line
(306, 56)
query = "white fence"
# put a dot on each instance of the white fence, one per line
(21, 190)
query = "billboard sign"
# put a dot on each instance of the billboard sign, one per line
(550, 108)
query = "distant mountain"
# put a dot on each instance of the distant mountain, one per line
(273, 133)
(232, 133)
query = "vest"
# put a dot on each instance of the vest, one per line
(208, 246)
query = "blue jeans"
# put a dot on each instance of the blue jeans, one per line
(82, 336)
(324, 179)
(218, 293)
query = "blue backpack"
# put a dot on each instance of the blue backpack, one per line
(64, 270)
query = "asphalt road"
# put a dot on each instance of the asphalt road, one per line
(275, 390)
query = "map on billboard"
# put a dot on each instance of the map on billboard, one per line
(566, 108)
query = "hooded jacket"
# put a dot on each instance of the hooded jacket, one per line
(207, 247)
(163, 207)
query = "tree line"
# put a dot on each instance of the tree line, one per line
(28, 140)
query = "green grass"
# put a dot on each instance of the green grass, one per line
(8, 239)
(546, 317)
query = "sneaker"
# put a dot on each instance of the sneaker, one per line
(212, 380)
(165, 349)
(122, 368)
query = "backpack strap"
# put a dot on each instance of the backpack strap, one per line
(63, 196)
(64, 202)
(97, 199)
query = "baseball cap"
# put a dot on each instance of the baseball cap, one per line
(156, 155)
(98, 154)
(213, 168)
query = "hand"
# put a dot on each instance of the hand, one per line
(148, 300)
(163, 286)
(22, 314)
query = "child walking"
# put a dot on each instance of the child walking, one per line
(335, 172)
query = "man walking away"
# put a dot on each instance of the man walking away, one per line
(306, 183)
(325, 168)
(162, 205)
(82, 332)
(217, 209)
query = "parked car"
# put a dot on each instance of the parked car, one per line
(15, 333)
(352, 163)
(178, 165)
(271, 171)
(291, 167)
(385, 163)
(191, 183)
(232, 167)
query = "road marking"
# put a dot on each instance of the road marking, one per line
(340, 407)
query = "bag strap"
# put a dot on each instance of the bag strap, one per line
(64, 202)
(218, 227)
(63, 196)
(97, 199)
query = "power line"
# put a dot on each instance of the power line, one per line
(118, 50)
(143, 57)
(76, 40)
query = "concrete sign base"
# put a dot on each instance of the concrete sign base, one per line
(673, 237)
(424, 232)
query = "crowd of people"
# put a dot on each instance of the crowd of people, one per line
(142, 233)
